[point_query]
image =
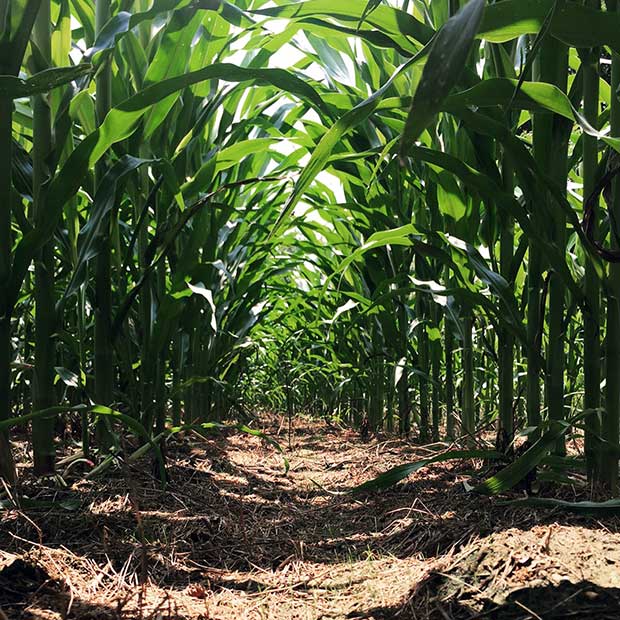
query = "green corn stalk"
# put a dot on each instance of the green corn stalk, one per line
(435, 343)
(534, 284)
(12, 47)
(435, 351)
(177, 372)
(449, 378)
(404, 405)
(424, 368)
(467, 360)
(103, 352)
(43, 392)
(375, 403)
(389, 405)
(505, 431)
(7, 467)
(550, 152)
(554, 68)
(611, 416)
(592, 313)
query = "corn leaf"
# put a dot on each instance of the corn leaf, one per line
(396, 474)
(446, 61)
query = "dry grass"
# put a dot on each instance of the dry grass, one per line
(233, 536)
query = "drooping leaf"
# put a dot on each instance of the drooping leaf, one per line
(446, 61)
(384, 18)
(102, 205)
(68, 377)
(43, 82)
(331, 138)
(396, 474)
(203, 291)
(534, 96)
(511, 475)
(509, 19)
(119, 124)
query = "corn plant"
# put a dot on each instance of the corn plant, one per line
(398, 214)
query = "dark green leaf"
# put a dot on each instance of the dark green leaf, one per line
(396, 474)
(443, 68)
(16, 88)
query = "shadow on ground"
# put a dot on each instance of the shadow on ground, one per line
(230, 507)
(567, 600)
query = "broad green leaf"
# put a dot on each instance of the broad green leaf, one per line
(203, 291)
(509, 19)
(23, 16)
(384, 18)
(348, 305)
(82, 108)
(42, 413)
(85, 12)
(371, 5)
(522, 466)
(118, 125)
(43, 82)
(223, 160)
(534, 96)
(68, 377)
(103, 203)
(396, 474)
(446, 61)
(399, 370)
(171, 59)
(123, 22)
(332, 137)
(398, 236)
(449, 197)
(433, 333)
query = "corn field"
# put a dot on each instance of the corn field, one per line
(400, 216)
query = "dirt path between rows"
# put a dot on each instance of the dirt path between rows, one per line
(234, 536)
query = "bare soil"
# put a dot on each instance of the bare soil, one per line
(235, 536)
